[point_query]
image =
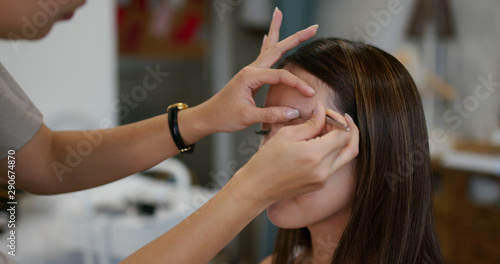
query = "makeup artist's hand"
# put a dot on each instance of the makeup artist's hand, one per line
(302, 160)
(233, 108)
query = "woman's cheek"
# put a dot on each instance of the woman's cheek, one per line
(314, 207)
(286, 214)
(301, 211)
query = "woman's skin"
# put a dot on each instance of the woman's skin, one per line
(301, 159)
(324, 212)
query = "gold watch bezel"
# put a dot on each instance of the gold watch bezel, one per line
(179, 106)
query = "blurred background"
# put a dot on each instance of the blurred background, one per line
(89, 73)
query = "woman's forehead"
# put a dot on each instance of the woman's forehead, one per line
(284, 95)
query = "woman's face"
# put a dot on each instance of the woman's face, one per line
(33, 19)
(330, 202)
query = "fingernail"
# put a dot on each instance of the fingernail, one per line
(264, 40)
(292, 114)
(275, 10)
(311, 90)
(315, 26)
(348, 116)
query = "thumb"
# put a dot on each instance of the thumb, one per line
(313, 127)
(275, 114)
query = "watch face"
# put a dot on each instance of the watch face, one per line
(182, 106)
(179, 106)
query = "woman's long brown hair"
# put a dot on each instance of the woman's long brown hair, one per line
(391, 218)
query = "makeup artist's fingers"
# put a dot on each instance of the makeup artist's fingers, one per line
(297, 38)
(256, 77)
(338, 117)
(274, 29)
(274, 114)
(332, 142)
(238, 95)
(343, 152)
(351, 150)
(274, 52)
(309, 129)
(264, 41)
(335, 115)
(337, 146)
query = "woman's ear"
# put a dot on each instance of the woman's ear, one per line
(335, 116)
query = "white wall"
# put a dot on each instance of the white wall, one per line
(345, 18)
(71, 74)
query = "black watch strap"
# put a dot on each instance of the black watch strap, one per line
(172, 111)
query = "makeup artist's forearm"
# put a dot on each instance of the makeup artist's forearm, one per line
(116, 152)
(203, 234)
(123, 150)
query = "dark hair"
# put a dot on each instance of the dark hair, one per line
(391, 219)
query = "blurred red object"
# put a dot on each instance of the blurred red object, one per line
(180, 37)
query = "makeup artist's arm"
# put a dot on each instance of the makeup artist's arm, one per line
(56, 162)
(299, 165)
(293, 162)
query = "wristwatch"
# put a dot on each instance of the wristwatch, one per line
(172, 111)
